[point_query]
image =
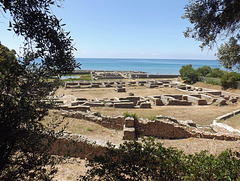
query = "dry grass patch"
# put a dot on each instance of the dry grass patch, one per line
(86, 128)
(216, 87)
(202, 115)
(100, 93)
(233, 121)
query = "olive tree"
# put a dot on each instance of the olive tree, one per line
(214, 21)
(25, 87)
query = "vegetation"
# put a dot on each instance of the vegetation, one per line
(43, 32)
(213, 76)
(210, 80)
(22, 108)
(216, 73)
(230, 80)
(204, 70)
(149, 160)
(152, 117)
(86, 77)
(216, 20)
(188, 74)
(89, 129)
(24, 89)
(133, 115)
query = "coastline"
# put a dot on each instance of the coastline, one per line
(150, 66)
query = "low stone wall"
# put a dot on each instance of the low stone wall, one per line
(159, 129)
(74, 108)
(75, 145)
(163, 127)
(163, 76)
(124, 105)
(215, 136)
(110, 122)
(197, 100)
(228, 115)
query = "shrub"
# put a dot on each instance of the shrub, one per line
(216, 73)
(149, 160)
(188, 74)
(137, 161)
(229, 80)
(204, 70)
(201, 166)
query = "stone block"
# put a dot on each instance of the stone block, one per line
(124, 105)
(129, 133)
(120, 89)
(145, 105)
(158, 102)
(197, 100)
(129, 122)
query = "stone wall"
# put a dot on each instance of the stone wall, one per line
(111, 122)
(160, 129)
(163, 127)
(75, 145)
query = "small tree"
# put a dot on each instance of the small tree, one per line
(188, 74)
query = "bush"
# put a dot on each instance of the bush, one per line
(230, 80)
(204, 70)
(216, 73)
(188, 74)
(201, 166)
(137, 161)
(148, 160)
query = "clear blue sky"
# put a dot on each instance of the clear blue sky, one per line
(123, 29)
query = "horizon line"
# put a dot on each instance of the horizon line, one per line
(147, 58)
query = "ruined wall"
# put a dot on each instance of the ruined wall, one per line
(110, 122)
(74, 145)
(160, 129)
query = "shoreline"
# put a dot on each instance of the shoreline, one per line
(104, 74)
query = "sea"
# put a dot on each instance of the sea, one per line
(151, 66)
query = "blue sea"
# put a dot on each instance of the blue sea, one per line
(151, 66)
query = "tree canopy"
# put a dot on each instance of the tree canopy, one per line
(43, 32)
(213, 21)
(25, 88)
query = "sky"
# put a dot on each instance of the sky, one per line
(123, 29)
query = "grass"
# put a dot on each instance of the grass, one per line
(86, 77)
(152, 117)
(202, 115)
(233, 121)
(89, 129)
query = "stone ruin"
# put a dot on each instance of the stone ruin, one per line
(86, 84)
(199, 98)
(106, 75)
(120, 89)
(163, 127)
